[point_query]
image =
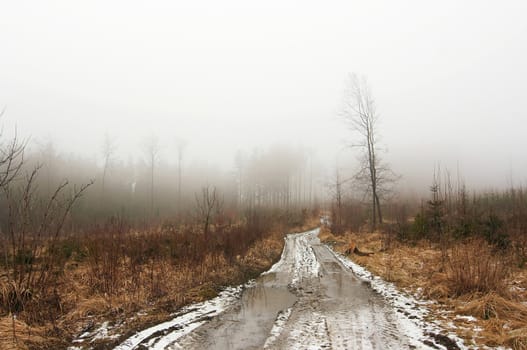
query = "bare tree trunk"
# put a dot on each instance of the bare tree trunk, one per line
(181, 145)
(108, 149)
(379, 213)
(179, 184)
(359, 112)
(152, 150)
(206, 206)
(152, 186)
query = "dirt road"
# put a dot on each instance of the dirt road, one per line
(308, 300)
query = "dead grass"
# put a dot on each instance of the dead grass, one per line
(15, 334)
(475, 267)
(504, 321)
(492, 305)
(517, 338)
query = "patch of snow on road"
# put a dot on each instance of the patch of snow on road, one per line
(306, 264)
(278, 327)
(309, 332)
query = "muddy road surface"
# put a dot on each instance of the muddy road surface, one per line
(308, 300)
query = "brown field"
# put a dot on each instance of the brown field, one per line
(92, 291)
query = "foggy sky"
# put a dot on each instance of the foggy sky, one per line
(448, 78)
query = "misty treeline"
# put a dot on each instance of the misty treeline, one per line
(453, 212)
(150, 188)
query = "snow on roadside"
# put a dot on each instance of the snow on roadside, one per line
(412, 311)
(102, 332)
(190, 317)
(278, 266)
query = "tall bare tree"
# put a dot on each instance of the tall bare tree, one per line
(336, 212)
(240, 161)
(181, 145)
(108, 151)
(207, 205)
(360, 113)
(152, 152)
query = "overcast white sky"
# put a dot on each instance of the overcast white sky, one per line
(449, 77)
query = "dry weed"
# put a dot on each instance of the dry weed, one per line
(517, 338)
(437, 288)
(474, 267)
(493, 305)
(15, 334)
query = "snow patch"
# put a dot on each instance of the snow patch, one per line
(309, 332)
(102, 332)
(278, 327)
(305, 263)
(188, 319)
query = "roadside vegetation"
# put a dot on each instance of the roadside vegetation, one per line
(465, 250)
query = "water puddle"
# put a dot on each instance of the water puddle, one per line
(249, 325)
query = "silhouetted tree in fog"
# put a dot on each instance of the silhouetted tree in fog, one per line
(207, 205)
(181, 145)
(360, 113)
(239, 161)
(152, 151)
(108, 150)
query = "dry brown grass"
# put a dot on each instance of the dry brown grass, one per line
(504, 321)
(517, 338)
(497, 306)
(492, 305)
(474, 267)
(15, 334)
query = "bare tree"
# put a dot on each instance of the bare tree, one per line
(152, 152)
(11, 157)
(108, 151)
(207, 205)
(11, 160)
(336, 217)
(310, 153)
(240, 161)
(360, 113)
(181, 145)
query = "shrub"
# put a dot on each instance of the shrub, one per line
(473, 267)
(494, 232)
